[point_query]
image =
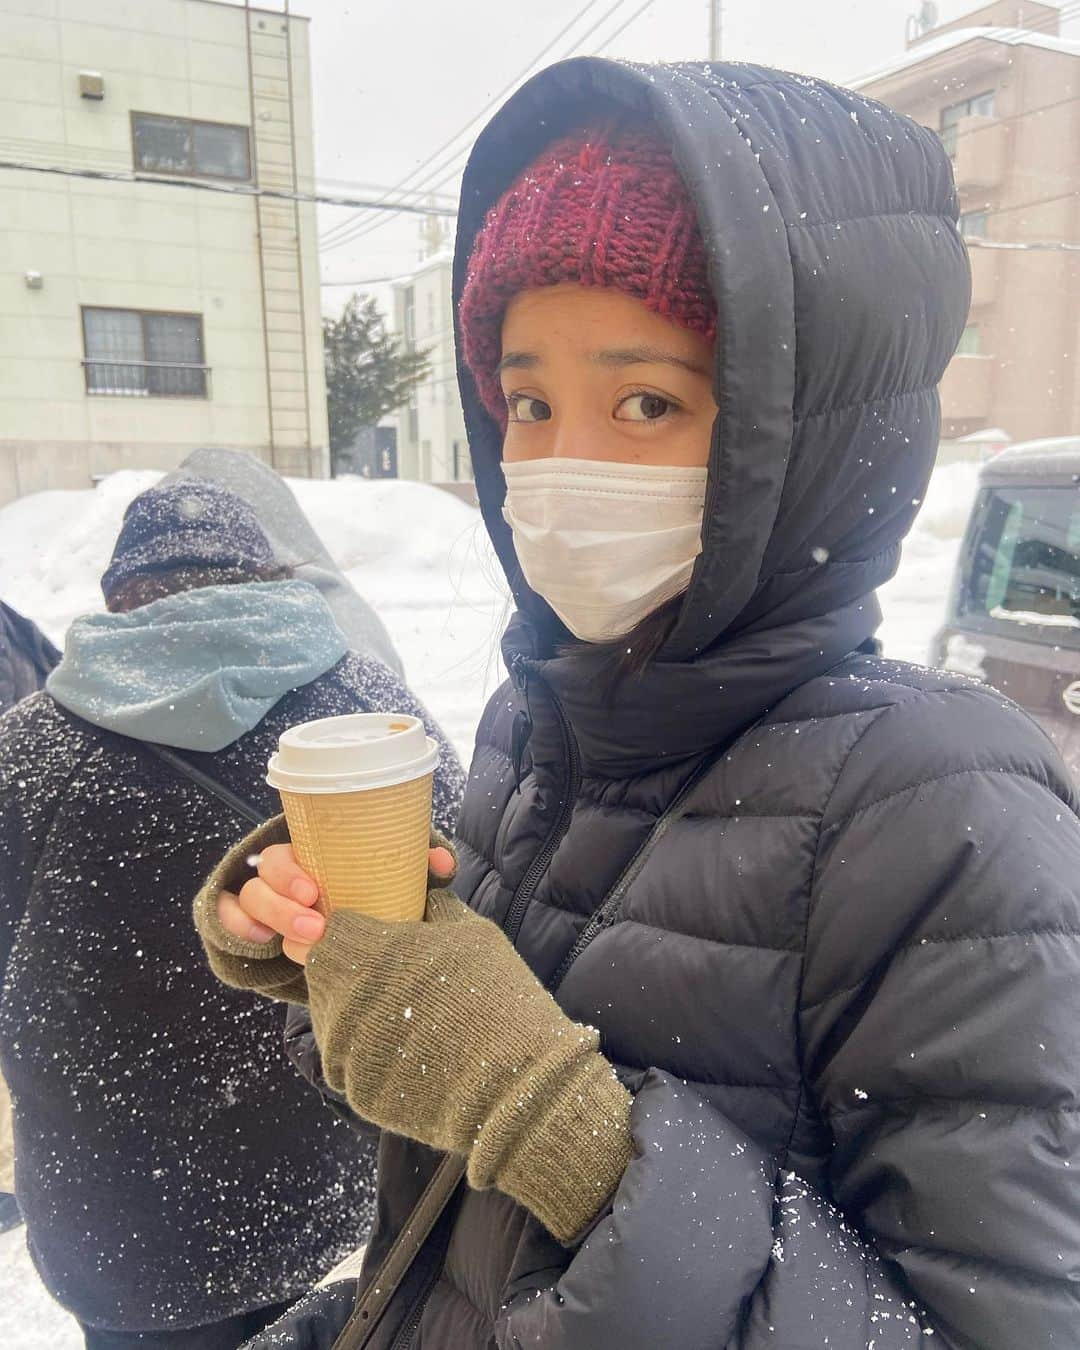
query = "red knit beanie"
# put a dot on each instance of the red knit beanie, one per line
(602, 207)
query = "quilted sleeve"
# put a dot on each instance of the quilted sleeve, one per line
(939, 1015)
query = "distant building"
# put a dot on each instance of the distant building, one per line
(145, 316)
(1002, 89)
(431, 431)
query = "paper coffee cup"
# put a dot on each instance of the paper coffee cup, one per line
(357, 796)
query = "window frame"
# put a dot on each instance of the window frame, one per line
(981, 214)
(967, 105)
(143, 315)
(970, 340)
(973, 616)
(191, 172)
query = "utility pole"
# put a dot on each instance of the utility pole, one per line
(716, 24)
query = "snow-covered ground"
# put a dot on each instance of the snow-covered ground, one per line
(421, 557)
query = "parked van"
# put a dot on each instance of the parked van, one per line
(1014, 612)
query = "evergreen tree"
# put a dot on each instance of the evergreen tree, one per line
(369, 372)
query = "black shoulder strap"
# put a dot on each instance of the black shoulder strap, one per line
(219, 790)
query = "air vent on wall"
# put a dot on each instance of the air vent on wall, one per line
(91, 85)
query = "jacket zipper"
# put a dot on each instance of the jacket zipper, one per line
(609, 910)
(540, 864)
(405, 1337)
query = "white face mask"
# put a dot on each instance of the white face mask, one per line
(604, 543)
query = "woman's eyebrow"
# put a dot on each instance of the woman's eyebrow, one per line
(517, 361)
(635, 356)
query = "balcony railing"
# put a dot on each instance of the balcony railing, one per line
(147, 379)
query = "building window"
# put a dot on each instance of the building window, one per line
(974, 224)
(412, 428)
(982, 105)
(970, 343)
(462, 463)
(137, 354)
(177, 145)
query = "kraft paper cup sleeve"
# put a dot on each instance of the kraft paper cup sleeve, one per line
(367, 849)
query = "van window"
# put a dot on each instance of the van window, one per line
(1022, 573)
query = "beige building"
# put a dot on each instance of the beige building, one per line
(432, 445)
(150, 300)
(1002, 89)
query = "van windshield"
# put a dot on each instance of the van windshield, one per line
(1023, 564)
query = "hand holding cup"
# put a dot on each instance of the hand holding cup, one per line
(280, 899)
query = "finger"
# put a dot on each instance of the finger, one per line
(233, 919)
(441, 864)
(266, 906)
(297, 951)
(282, 873)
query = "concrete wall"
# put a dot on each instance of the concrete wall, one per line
(139, 245)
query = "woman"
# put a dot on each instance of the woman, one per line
(181, 1184)
(821, 909)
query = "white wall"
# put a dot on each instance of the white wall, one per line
(438, 403)
(150, 246)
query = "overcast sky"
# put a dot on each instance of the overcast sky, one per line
(395, 79)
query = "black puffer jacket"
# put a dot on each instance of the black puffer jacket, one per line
(824, 908)
(172, 1167)
(26, 657)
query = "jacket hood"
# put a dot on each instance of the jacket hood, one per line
(199, 669)
(294, 542)
(842, 286)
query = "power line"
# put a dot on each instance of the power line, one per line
(228, 189)
(351, 230)
(622, 28)
(462, 130)
(120, 159)
(355, 229)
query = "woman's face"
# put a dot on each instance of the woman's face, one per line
(593, 374)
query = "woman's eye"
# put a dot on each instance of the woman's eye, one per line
(644, 408)
(524, 408)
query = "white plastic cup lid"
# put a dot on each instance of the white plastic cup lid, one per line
(351, 753)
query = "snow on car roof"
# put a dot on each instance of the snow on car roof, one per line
(1054, 454)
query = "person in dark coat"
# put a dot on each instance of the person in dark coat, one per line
(26, 656)
(761, 1029)
(181, 1183)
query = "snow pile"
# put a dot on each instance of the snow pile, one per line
(422, 558)
(418, 554)
(914, 601)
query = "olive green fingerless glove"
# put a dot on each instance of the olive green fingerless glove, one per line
(259, 966)
(439, 1031)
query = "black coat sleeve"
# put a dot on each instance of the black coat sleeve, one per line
(940, 1014)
